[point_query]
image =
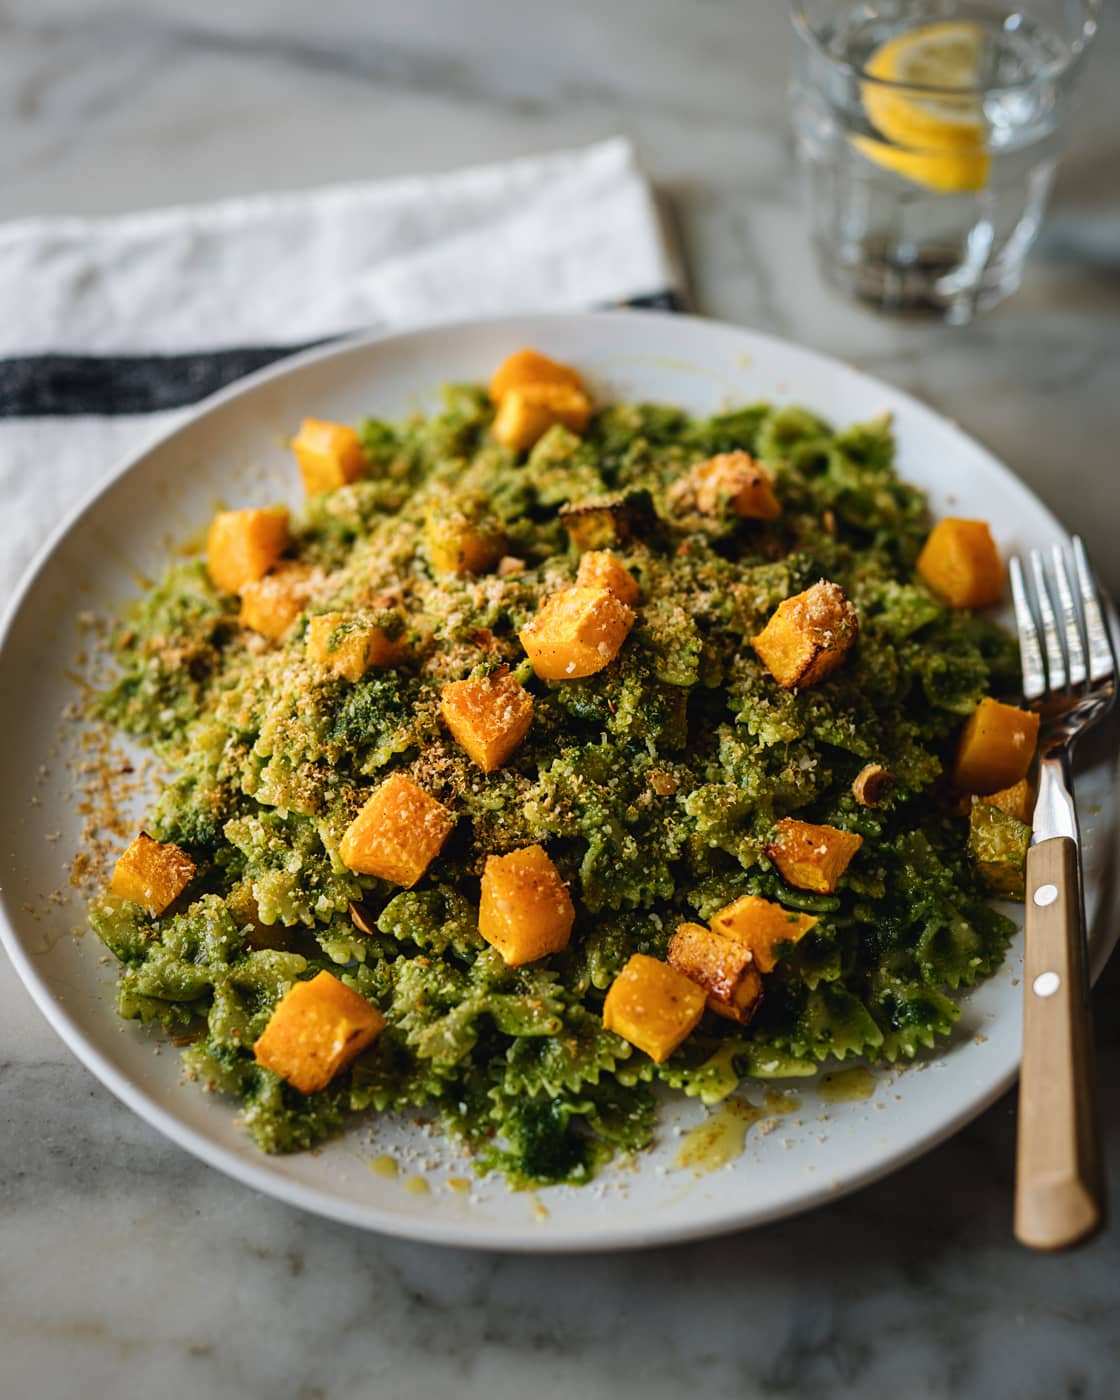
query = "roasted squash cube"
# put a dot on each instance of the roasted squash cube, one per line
(488, 717)
(397, 834)
(1017, 801)
(960, 562)
(464, 536)
(350, 644)
(734, 481)
(599, 568)
(575, 633)
(525, 911)
(593, 527)
(812, 857)
(998, 843)
(271, 604)
(723, 967)
(530, 367)
(316, 1030)
(653, 1006)
(808, 636)
(152, 873)
(329, 455)
(601, 522)
(526, 414)
(761, 925)
(244, 544)
(996, 747)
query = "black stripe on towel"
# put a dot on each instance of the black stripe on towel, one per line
(52, 386)
(56, 386)
(655, 301)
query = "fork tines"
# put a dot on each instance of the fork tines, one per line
(1075, 645)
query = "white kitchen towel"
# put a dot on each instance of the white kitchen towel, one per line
(111, 327)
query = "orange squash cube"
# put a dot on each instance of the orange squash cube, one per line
(723, 967)
(397, 834)
(349, 645)
(998, 843)
(329, 455)
(808, 636)
(996, 747)
(316, 1030)
(152, 873)
(760, 925)
(243, 545)
(1017, 801)
(271, 604)
(653, 1006)
(526, 414)
(463, 537)
(488, 717)
(812, 857)
(735, 480)
(597, 524)
(960, 562)
(530, 367)
(575, 633)
(599, 568)
(525, 911)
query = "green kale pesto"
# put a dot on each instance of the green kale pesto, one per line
(654, 785)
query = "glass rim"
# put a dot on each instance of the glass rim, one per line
(806, 31)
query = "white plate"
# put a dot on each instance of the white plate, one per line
(231, 449)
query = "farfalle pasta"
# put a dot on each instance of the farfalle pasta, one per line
(544, 642)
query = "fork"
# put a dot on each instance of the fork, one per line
(1069, 677)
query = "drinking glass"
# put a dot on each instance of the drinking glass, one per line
(928, 135)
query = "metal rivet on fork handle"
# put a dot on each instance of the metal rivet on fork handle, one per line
(1046, 984)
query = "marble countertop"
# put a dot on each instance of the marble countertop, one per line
(128, 1268)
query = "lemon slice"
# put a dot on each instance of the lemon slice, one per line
(933, 138)
(946, 172)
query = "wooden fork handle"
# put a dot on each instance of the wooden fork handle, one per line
(1059, 1190)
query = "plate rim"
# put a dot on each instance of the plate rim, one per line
(464, 1233)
